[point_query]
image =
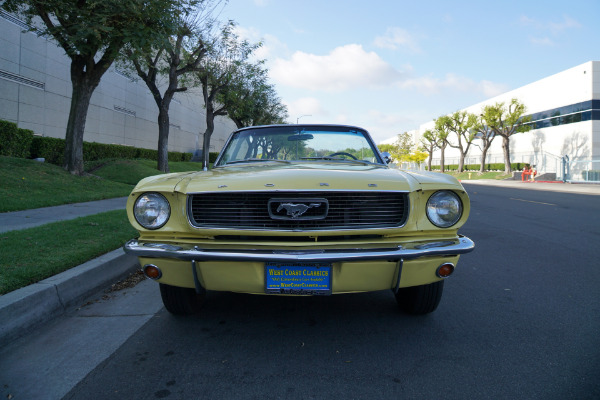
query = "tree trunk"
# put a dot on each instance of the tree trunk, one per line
(506, 149)
(483, 157)
(163, 139)
(461, 161)
(210, 127)
(429, 160)
(442, 159)
(83, 87)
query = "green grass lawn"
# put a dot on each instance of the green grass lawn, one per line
(31, 255)
(132, 171)
(477, 175)
(27, 184)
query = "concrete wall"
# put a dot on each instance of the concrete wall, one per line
(35, 92)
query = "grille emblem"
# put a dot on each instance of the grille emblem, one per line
(298, 209)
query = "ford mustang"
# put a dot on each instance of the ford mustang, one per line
(299, 210)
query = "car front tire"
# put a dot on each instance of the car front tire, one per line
(181, 301)
(419, 300)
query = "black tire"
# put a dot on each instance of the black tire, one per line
(181, 301)
(419, 300)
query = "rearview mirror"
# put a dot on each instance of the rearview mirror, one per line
(387, 157)
(299, 137)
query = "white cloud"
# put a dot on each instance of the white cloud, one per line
(309, 108)
(261, 3)
(345, 67)
(432, 85)
(271, 45)
(566, 23)
(555, 28)
(545, 41)
(395, 38)
(383, 125)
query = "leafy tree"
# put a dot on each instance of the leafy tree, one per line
(92, 33)
(401, 149)
(442, 132)
(250, 100)
(222, 67)
(484, 133)
(174, 57)
(404, 145)
(387, 148)
(430, 142)
(417, 156)
(505, 121)
(461, 123)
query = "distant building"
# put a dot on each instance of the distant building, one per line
(35, 93)
(565, 111)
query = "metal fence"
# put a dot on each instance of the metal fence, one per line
(548, 166)
(580, 171)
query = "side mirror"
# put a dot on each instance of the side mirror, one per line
(387, 157)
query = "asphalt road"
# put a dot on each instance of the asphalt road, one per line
(519, 319)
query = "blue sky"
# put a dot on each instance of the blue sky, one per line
(389, 66)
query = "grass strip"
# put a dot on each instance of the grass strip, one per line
(27, 184)
(34, 254)
(132, 171)
(477, 175)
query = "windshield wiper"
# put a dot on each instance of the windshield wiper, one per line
(256, 160)
(328, 158)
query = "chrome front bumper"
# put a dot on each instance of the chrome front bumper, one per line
(461, 245)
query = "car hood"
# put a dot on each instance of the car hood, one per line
(297, 176)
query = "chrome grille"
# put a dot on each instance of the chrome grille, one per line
(250, 210)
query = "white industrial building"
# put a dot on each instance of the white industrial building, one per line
(35, 93)
(565, 110)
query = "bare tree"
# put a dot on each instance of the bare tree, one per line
(506, 121)
(430, 142)
(442, 132)
(461, 123)
(173, 58)
(486, 135)
(220, 69)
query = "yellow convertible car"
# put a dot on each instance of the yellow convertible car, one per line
(299, 210)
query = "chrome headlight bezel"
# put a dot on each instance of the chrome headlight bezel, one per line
(152, 210)
(444, 208)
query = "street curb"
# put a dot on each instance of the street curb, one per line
(24, 309)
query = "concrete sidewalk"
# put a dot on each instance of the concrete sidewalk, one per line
(28, 308)
(579, 188)
(30, 218)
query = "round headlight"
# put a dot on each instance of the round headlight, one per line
(444, 208)
(151, 210)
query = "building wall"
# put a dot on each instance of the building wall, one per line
(35, 93)
(579, 140)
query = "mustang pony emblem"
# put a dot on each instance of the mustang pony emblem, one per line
(296, 210)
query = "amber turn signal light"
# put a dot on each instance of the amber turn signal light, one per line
(445, 270)
(152, 271)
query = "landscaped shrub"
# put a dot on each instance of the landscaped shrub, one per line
(14, 141)
(99, 151)
(476, 167)
(52, 149)
(147, 154)
(212, 157)
(21, 143)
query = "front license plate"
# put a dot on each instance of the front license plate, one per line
(307, 279)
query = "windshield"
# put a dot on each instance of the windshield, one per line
(299, 143)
